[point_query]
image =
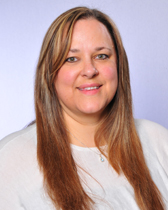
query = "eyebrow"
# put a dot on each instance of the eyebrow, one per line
(74, 50)
(96, 49)
(102, 48)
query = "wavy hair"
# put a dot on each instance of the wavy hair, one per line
(61, 180)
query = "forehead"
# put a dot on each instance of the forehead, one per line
(88, 31)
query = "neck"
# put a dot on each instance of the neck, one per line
(84, 130)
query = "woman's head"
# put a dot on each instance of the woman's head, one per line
(56, 47)
(117, 127)
(87, 81)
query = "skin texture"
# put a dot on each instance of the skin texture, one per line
(91, 62)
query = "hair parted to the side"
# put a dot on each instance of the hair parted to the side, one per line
(125, 154)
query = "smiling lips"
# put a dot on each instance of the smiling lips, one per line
(89, 88)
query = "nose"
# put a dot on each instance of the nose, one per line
(89, 70)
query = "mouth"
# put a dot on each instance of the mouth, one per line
(90, 88)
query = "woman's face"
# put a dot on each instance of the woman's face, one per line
(88, 80)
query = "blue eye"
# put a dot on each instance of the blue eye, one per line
(102, 56)
(71, 59)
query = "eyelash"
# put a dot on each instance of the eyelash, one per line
(103, 57)
(71, 61)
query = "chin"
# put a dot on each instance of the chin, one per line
(92, 110)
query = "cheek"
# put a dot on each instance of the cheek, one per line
(110, 73)
(64, 84)
(64, 78)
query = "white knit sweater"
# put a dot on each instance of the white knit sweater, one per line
(21, 182)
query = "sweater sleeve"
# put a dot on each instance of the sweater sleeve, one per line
(157, 136)
(9, 174)
(16, 169)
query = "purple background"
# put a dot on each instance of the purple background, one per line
(144, 29)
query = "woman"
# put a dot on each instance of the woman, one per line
(90, 153)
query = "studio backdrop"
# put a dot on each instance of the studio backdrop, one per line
(144, 30)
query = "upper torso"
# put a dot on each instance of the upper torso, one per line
(21, 182)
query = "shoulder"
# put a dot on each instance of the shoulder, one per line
(26, 134)
(151, 129)
(19, 172)
(18, 148)
(18, 153)
(154, 139)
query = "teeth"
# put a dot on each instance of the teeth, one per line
(90, 88)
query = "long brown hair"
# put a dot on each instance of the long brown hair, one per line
(125, 154)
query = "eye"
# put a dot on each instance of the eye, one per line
(102, 56)
(71, 59)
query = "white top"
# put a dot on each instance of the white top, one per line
(21, 183)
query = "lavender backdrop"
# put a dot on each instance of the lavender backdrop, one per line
(144, 29)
